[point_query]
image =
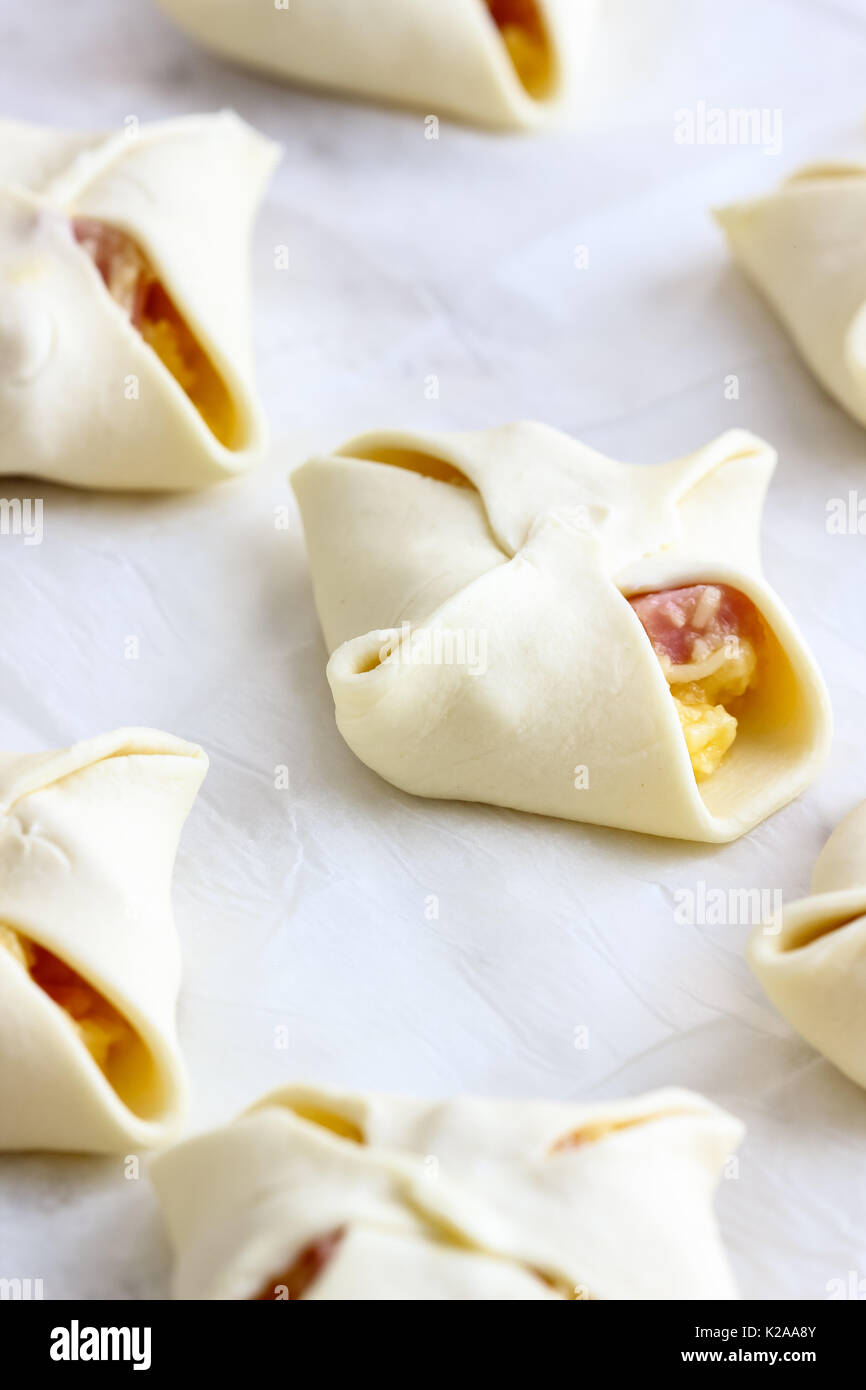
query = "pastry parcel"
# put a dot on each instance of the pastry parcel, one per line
(513, 64)
(812, 960)
(804, 247)
(89, 959)
(124, 302)
(514, 618)
(324, 1195)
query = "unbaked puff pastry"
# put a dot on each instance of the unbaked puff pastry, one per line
(124, 302)
(320, 1194)
(812, 961)
(804, 247)
(513, 618)
(89, 959)
(513, 64)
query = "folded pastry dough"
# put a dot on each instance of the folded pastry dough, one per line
(506, 63)
(474, 593)
(812, 962)
(124, 334)
(804, 247)
(89, 959)
(321, 1194)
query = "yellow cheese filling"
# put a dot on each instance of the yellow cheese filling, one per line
(165, 331)
(708, 726)
(523, 34)
(99, 1025)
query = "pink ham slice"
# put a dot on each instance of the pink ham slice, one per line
(688, 625)
(303, 1273)
(119, 262)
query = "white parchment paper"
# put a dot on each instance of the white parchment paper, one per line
(309, 909)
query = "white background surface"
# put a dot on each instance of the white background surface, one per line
(307, 908)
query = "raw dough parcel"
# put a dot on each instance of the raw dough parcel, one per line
(324, 1195)
(506, 63)
(804, 247)
(513, 618)
(812, 961)
(89, 959)
(124, 302)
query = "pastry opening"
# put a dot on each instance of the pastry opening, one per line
(136, 288)
(368, 656)
(561, 1287)
(813, 929)
(415, 461)
(370, 661)
(451, 1235)
(295, 1281)
(524, 33)
(711, 643)
(775, 730)
(332, 1120)
(303, 1272)
(110, 1039)
(814, 173)
(596, 1130)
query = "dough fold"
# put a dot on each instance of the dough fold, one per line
(459, 1199)
(146, 384)
(512, 64)
(472, 592)
(89, 958)
(804, 247)
(812, 961)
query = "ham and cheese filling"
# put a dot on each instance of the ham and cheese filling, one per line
(101, 1028)
(707, 638)
(294, 1282)
(523, 33)
(134, 285)
(303, 1273)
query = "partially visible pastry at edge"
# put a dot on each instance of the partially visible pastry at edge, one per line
(513, 618)
(89, 959)
(124, 302)
(512, 64)
(811, 960)
(325, 1195)
(804, 247)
